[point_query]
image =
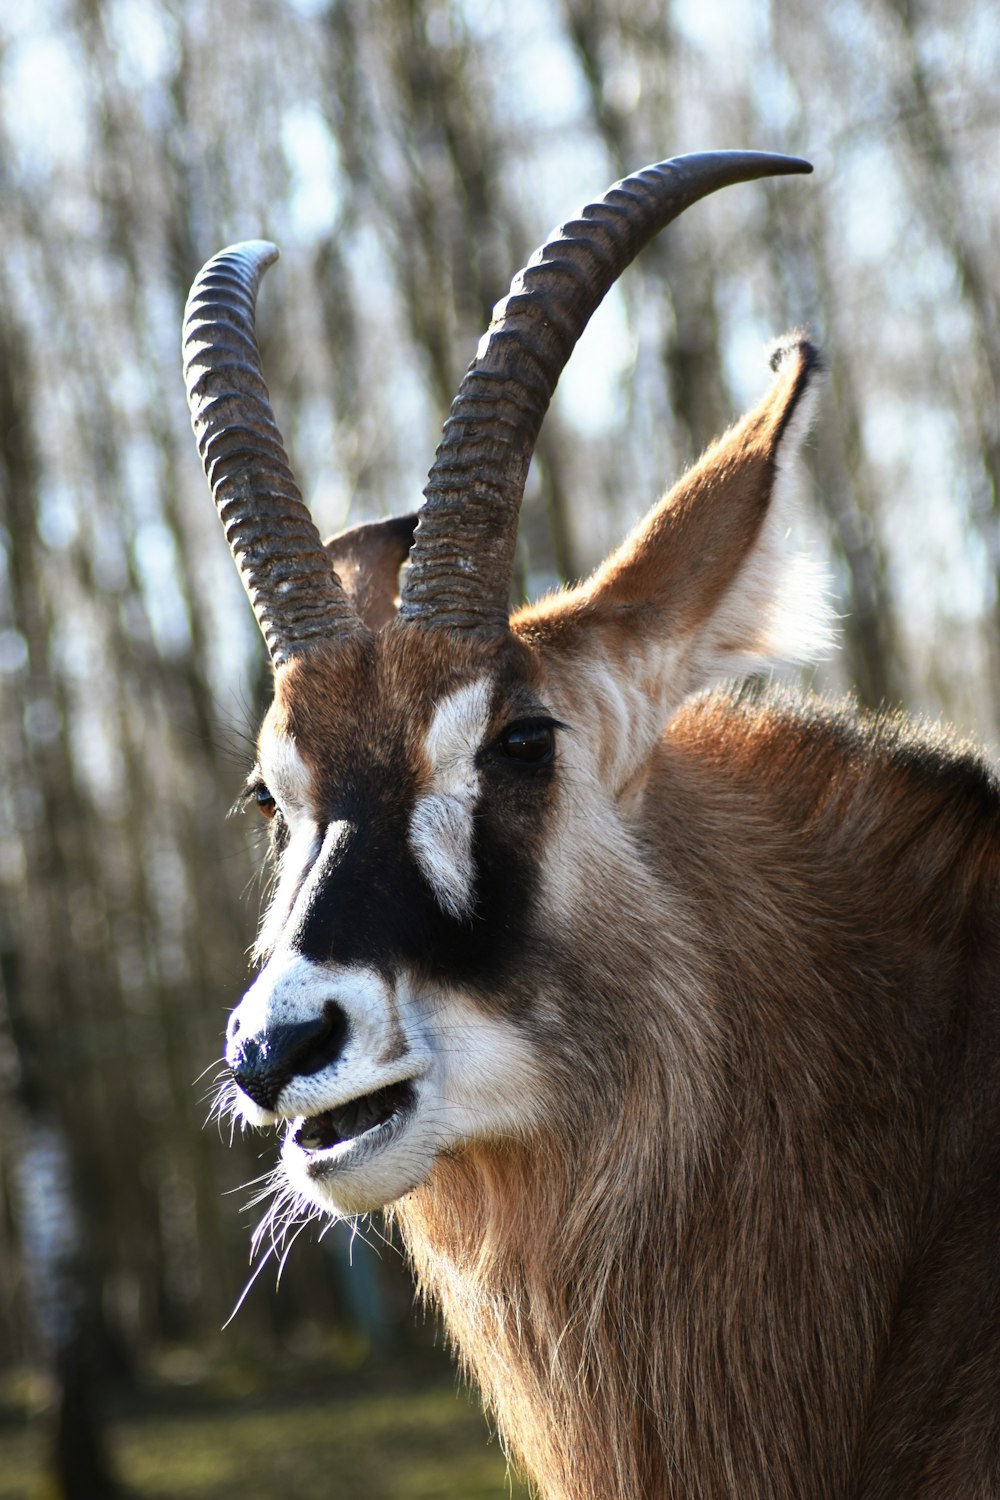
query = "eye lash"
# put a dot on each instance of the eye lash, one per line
(246, 794)
(247, 797)
(497, 750)
(540, 720)
(532, 721)
(243, 799)
(275, 833)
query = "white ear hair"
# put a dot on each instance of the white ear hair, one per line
(707, 587)
(777, 610)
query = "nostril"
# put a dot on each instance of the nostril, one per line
(323, 1047)
(234, 1025)
(248, 1065)
(262, 1065)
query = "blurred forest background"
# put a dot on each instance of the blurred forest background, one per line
(407, 155)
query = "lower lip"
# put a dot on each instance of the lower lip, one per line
(350, 1153)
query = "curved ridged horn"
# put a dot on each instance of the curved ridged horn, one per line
(286, 571)
(463, 553)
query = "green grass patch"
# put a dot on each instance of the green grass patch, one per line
(430, 1444)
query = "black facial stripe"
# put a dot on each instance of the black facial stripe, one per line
(372, 905)
(368, 902)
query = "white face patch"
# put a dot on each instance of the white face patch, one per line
(305, 855)
(284, 770)
(298, 857)
(441, 826)
(488, 1079)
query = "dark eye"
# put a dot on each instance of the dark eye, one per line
(265, 801)
(531, 742)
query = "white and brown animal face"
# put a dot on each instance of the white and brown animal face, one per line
(412, 787)
(457, 798)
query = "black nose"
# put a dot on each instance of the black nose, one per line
(263, 1064)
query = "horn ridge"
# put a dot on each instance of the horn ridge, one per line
(463, 553)
(296, 596)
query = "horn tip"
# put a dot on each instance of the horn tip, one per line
(753, 163)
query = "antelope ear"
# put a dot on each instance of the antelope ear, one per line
(711, 564)
(706, 586)
(367, 560)
(708, 572)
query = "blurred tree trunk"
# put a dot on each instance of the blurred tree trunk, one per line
(799, 250)
(941, 196)
(51, 1166)
(641, 39)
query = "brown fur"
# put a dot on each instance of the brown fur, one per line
(750, 1256)
(373, 698)
(367, 560)
(790, 1292)
(743, 1242)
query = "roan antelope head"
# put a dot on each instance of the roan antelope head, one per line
(446, 784)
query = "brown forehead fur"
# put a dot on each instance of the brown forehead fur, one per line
(375, 695)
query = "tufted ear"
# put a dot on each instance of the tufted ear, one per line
(710, 566)
(367, 560)
(706, 586)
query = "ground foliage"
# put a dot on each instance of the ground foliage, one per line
(428, 1444)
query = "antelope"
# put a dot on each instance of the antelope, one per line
(661, 1013)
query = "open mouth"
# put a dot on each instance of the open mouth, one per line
(371, 1119)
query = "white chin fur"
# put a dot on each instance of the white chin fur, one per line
(253, 1114)
(483, 1081)
(348, 1182)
